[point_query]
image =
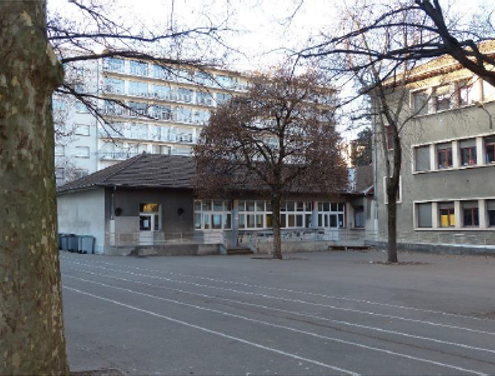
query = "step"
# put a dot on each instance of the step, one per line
(239, 251)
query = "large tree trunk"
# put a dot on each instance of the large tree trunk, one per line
(277, 241)
(31, 323)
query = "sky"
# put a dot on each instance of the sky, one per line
(262, 32)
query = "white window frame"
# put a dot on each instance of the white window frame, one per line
(78, 131)
(385, 196)
(79, 154)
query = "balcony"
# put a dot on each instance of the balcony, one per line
(116, 155)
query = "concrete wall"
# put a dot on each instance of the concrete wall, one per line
(83, 213)
(165, 250)
(170, 201)
(475, 182)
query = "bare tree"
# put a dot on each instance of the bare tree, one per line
(276, 139)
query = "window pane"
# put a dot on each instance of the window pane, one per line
(309, 206)
(300, 206)
(423, 158)
(217, 221)
(250, 221)
(145, 223)
(468, 156)
(227, 221)
(299, 220)
(197, 206)
(250, 205)
(259, 220)
(290, 206)
(260, 206)
(333, 220)
(268, 205)
(341, 221)
(269, 219)
(206, 205)
(309, 220)
(282, 221)
(242, 221)
(197, 221)
(424, 215)
(420, 102)
(242, 206)
(217, 205)
(206, 221)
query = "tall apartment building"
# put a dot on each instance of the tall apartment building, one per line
(447, 183)
(163, 112)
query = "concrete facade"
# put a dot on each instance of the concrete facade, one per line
(83, 213)
(427, 179)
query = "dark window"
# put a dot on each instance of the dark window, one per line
(444, 156)
(468, 152)
(490, 207)
(490, 150)
(464, 93)
(420, 102)
(389, 137)
(470, 215)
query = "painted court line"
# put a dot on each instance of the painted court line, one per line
(369, 313)
(389, 352)
(393, 332)
(217, 333)
(364, 301)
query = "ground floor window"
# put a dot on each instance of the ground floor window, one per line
(212, 214)
(331, 215)
(446, 213)
(470, 214)
(149, 217)
(424, 215)
(490, 207)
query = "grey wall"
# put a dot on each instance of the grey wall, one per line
(170, 201)
(83, 213)
(476, 182)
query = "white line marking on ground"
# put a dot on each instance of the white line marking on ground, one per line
(364, 301)
(423, 322)
(254, 344)
(389, 352)
(393, 332)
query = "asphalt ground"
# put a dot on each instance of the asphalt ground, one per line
(317, 313)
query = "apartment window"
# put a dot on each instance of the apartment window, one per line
(444, 155)
(470, 214)
(138, 88)
(490, 208)
(161, 149)
(468, 152)
(202, 117)
(424, 215)
(212, 214)
(59, 150)
(224, 81)
(112, 108)
(203, 78)
(464, 93)
(490, 149)
(422, 158)
(184, 115)
(163, 112)
(420, 102)
(138, 68)
(161, 91)
(82, 152)
(80, 173)
(58, 105)
(161, 72)
(204, 98)
(82, 108)
(443, 100)
(185, 95)
(114, 86)
(139, 131)
(182, 151)
(149, 217)
(446, 214)
(82, 130)
(488, 91)
(138, 109)
(115, 65)
(223, 98)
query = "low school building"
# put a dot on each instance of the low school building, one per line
(147, 205)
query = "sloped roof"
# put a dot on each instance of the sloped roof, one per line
(144, 171)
